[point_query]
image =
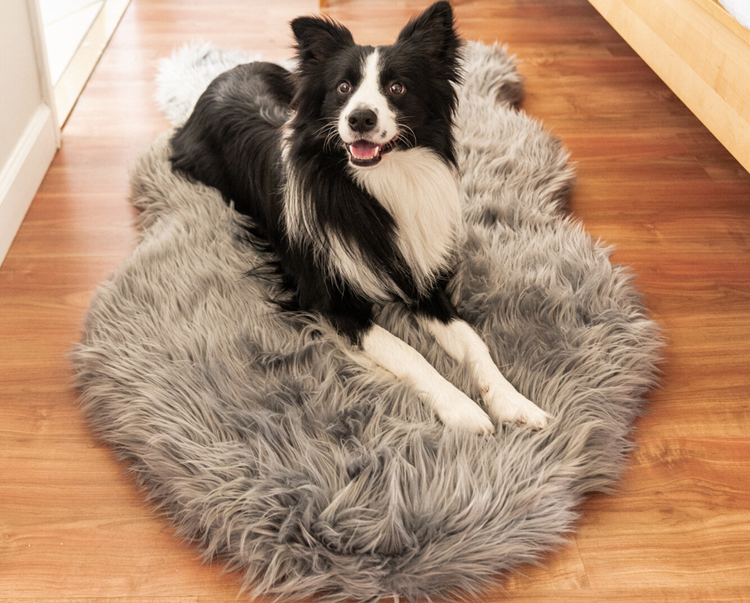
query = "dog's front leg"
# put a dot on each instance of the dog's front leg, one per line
(453, 407)
(504, 403)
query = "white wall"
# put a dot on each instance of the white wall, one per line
(29, 135)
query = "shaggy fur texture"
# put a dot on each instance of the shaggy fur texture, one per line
(271, 445)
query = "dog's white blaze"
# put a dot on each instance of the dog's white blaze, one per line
(452, 406)
(369, 95)
(504, 402)
(420, 192)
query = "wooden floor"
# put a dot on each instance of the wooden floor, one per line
(652, 182)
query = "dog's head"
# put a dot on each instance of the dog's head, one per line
(372, 100)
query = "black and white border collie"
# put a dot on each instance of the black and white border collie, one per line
(347, 169)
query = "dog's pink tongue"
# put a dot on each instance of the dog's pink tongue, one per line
(363, 149)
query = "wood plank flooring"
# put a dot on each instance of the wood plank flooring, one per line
(652, 182)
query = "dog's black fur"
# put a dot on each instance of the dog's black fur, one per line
(258, 123)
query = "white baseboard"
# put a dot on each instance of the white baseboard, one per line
(22, 174)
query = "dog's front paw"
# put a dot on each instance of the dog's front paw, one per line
(457, 411)
(508, 406)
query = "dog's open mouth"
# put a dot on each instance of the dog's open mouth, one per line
(364, 153)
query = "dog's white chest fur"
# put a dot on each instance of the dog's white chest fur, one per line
(420, 192)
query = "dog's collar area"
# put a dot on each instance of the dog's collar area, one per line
(363, 153)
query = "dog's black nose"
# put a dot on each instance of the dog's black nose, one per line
(362, 120)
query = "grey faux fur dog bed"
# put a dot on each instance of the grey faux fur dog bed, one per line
(271, 445)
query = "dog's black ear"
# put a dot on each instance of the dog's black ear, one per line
(318, 39)
(434, 31)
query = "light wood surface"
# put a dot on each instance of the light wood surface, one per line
(701, 52)
(652, 182)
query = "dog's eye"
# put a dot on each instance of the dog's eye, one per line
(344, 87)
(396, 89)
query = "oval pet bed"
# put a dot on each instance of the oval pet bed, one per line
(274, 447)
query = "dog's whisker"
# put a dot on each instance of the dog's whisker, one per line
(330, 130)
(406, 135)
(329, 141)
(327, 126)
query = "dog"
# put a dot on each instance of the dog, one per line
(347, 170)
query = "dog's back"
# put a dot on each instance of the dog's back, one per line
(231, 141)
